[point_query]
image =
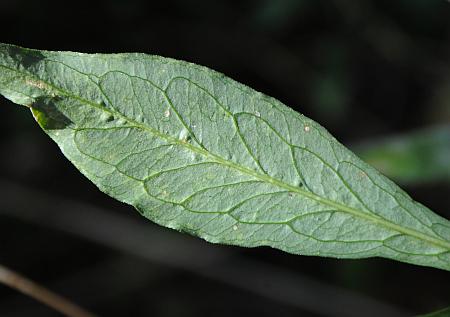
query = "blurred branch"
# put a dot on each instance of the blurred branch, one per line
(41, 294)
(413, 158)
(134, 235)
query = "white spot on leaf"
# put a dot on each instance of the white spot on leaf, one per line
(184, 135)
(121, 121)
(106, 117)
(167, 113)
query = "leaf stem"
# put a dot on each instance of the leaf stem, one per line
(41, 294)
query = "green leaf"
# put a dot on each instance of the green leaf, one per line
(198, 152)
(413, 158)
(440, 313)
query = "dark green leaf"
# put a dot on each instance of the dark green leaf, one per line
(440, 313)
(198, 152)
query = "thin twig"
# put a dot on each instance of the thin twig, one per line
(133, 235)
(41, 294)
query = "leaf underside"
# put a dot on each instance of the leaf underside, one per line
(198, 152)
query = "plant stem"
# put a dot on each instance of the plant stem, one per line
(41, 294)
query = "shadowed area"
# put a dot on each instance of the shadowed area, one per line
(47, 114)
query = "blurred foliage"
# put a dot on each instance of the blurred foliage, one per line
(441, 313)
(413, 158)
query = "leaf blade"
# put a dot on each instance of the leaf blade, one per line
(198, 152)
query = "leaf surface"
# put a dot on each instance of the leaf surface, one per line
(198, 152)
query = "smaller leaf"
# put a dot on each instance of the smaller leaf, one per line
(412, 158)
(440, 313)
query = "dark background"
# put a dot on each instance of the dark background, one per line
(363, 69)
